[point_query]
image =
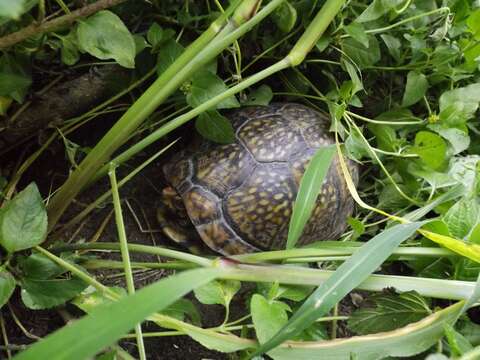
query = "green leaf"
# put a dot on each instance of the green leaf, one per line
(268, 316)
(285, 17)
(348, 275)
(23, 221)
(218, 292)
(462, 217)
(376, 9)
(38, 266)
(357, 32)
(459, 139)
(354, 74)
(14, 78)
(111, 321)
(215, 127)
(393, 45)
(44, 294)
(431, 148)
(260, 96)
(168, 54)
(388, 312)
(415, 88)
(206, 85)
(357, 226)
(155, 35)
(363, 56)
(183, 308)
(310, 187)
(105, 36)
(7, 286)
(473, 23)
(459, 105)
(13, 9)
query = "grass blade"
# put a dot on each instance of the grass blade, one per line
(310, 187)
(103, 326)
(351, 273)
(407, 341)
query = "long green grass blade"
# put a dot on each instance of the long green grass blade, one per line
(103, 326)
(407, 341)
(310, 187)
(351, 273)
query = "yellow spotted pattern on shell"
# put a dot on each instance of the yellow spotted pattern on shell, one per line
(240, 196)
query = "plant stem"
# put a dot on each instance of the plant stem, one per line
(40, 28)
(122, 237)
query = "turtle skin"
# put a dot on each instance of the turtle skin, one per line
(240, 196)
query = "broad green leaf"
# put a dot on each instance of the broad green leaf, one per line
(219, 292)
(10, 83)
(465, 171)
(285, 17)
(105, 36)
(7, 286)
(23, 221)
(473, 23)
(268, 316)
(415, 88)
(357, 226)
(376, 9)
(109, 322)
(37, 266)
(393, 45)
(387, 312)
(459, 105)
(350, 274)
(184, 308)
(355, 147)
(357, 32)
(385, 136)
(206, 85)
(462, 217)
(310, 187)
(408, 341)
(354, 74)
(13, 9)
(459, 139)
(90, 299)
(431, 148)
(363, 56)
(168, 54)
(155, 35)
(44, 294)
(69, 51)
(260, 96)
(215, 127)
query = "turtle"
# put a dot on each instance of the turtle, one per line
(238, 197)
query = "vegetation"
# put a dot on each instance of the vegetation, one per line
(400, 81)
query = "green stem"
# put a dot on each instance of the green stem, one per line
(154, 250)
(122, 237)
(113, 264)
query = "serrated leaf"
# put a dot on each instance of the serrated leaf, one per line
(7, 286)
(44, 294)
(415, 88)
(462, 217)
(23, 221)
(431, 148)
(105, 36)
(388, 312)
(268, 317)
(206, 85)
(310, 187)
(360, 54)
(215, 127)
(260, 96)
(218, 292)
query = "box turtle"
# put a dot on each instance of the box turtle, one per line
(239, 196)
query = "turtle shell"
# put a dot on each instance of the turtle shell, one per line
(240, 196)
